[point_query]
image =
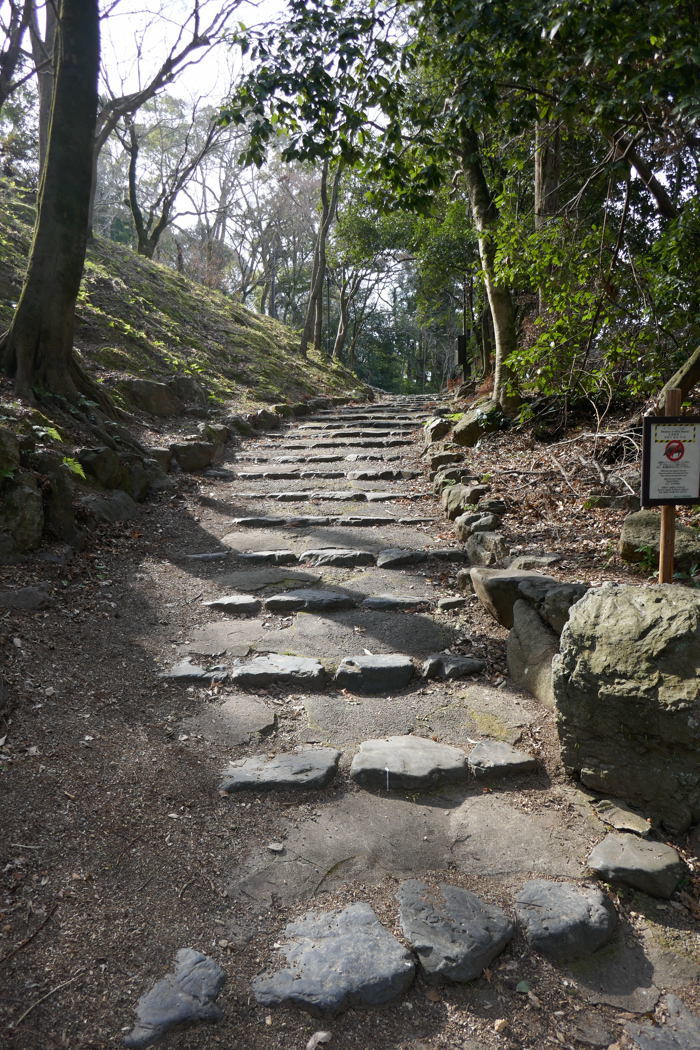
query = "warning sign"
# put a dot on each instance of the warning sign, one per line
(671, 460)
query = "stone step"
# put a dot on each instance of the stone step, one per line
(352, 475)
(395, 558)
(332, 496)
(346, 521)
(369, 442)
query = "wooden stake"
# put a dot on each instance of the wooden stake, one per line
(667, 533)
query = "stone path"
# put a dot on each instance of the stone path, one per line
(346, 674)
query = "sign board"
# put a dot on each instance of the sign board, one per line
(671, 461)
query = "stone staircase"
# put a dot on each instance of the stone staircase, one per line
(347, 673)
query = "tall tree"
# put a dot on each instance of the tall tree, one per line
(37, 350)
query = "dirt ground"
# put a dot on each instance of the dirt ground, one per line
(118, 849)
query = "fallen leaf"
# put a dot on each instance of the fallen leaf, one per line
(433, 995)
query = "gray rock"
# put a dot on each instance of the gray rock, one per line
(487, 548)
(564, 921)
(182, 998)
(310, 600)
(436, 429)
(380, 673)
(187, 671)
(443, 458)
(406, 763)
(276, 669)
(276, 557)
(155, 398)
(590, 1029)
(495, 757)
(492, 506)
(652, 867)
(111, 507)
(499, 589)
(627, 689)
(474, 424)
(444, 665)
(397, 602)
(553, 602)
(21, 514)
(467, 524)
(621, 817)
(534, 561)
(399, 557)
(530, 649)
(338, 959)
(307, 767)
(337, 556)
(640, 538)
(236, 604)
(449, 604)
(264, 522)
(104, 465)
(463, 581)
(455, 934)
(193, 455)
(189, 390)
(9, 452)
(680, 1030)
(458, 499)
(25, 599)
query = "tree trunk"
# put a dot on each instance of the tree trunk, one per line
(313, 322)
(547, 173)
(45, 61)
(485, 218)
(38, 347)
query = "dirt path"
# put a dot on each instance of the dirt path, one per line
(120, 846)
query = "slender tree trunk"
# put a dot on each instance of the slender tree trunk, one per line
(45, 62)
(547, 170)
(38, 347)
(313, 322)
(485, 218)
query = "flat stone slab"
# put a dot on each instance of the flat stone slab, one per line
(276, 669)
(337, 556)
(338, 959)
(231, 722)
(619, 816)
(382, 673)
(495, 758)
(182, 998)
(25, 599)
(310, 599)
(187, 671)
(652, 867)
(444, 665)
(680, 1030)
(235, 604)
(272, 522)
(564, 921)
(274, 557)
(397, 557)
(407, 763)
(455, 934)
(399, 602)
(306, 767)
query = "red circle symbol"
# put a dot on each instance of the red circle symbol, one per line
(674, 451)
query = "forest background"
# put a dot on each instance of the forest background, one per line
(387, 177)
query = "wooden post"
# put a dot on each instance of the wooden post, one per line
(667, 533)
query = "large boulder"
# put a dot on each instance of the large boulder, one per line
(627, 693)
(436, 429)
(474, 424)
(149, 396)
(639, 540)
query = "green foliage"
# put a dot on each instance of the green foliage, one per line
(74, 466)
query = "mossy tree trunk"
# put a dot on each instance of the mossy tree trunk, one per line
(37, 350)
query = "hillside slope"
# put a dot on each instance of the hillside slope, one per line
(138, 318)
